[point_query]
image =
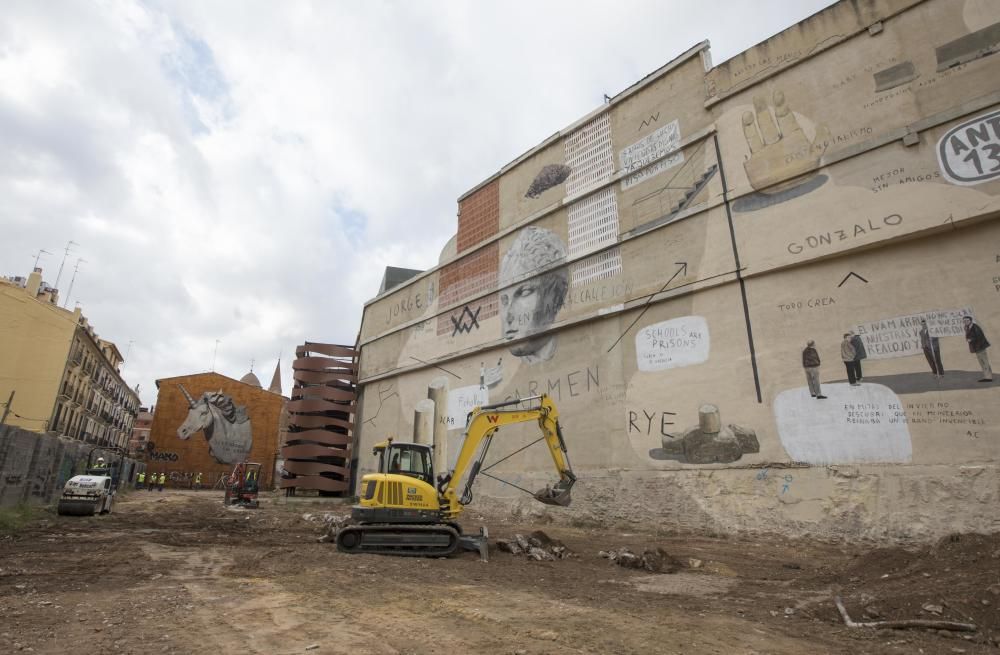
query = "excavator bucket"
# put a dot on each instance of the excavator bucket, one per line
(557, 494)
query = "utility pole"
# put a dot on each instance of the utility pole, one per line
(6, 408)
(79, 260)
(65, 255)
(41, 251)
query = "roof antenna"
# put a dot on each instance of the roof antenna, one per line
(65, 255)
(79, 260)
(41, 252)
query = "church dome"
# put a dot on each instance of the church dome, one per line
(250, 379)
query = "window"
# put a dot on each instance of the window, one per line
(411, 459)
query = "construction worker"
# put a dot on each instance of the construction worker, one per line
(163, 479)
(152, 482)
(197, 481)
(140, 480)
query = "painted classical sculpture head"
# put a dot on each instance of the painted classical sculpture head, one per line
(529, 306)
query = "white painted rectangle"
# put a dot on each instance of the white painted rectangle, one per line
(675, 343)
(463, 400)
(852, 425)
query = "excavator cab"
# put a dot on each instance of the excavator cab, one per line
(410, 459)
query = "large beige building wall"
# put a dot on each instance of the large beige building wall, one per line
(680, 247)
(35, 338)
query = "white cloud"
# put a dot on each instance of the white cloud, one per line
(243, 171)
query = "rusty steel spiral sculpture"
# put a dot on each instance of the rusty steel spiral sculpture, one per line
(317, 450)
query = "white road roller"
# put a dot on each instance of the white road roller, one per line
(88, 494)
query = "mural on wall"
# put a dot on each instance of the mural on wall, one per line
(978, 345)
(781, 154)
(893, 76)
(682, 189)
(857, 424)
(463, 400)
(384, 391)
(979, 43)
(531, 305)
(550, 176)
(708, 442)
(866, 420)
(490, 376)
(914, 335)
(225, 425)
(670, 344)
(969, 153)
(637, 160)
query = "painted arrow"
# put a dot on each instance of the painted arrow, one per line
(847, 277)
(682, 268)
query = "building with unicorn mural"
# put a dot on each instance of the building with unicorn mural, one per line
(207, 422)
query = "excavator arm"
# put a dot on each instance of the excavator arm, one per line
(481, 426)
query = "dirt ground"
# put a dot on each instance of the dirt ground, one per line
(175, 572)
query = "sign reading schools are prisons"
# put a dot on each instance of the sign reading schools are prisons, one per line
(671, 344)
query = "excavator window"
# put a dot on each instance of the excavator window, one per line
(412, 460)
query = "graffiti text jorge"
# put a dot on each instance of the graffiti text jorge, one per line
(404, 306)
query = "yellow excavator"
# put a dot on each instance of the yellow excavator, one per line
(403, 512)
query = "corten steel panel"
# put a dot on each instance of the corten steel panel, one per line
(322, 422)
(328, 349)
(303, 406)
(315, 468)
(317, 450)
(322, 436)
(318, 377)
(324, 364)
(326, 393)
(317, 482)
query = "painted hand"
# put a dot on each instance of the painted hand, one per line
(779, 152)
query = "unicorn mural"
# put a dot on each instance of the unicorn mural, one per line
(226, 425)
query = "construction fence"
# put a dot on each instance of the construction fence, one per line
(35, 466)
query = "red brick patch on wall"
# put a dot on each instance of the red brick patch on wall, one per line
(479, 216)
(469, 277)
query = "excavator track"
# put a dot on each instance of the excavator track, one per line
(414, 540)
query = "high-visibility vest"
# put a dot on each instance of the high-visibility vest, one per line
(197, 478)
(163, 478)
(142, 477)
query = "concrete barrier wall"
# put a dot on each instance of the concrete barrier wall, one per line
(34, 467)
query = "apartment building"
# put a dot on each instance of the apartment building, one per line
(63, 376)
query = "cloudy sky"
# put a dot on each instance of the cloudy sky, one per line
(244, 171)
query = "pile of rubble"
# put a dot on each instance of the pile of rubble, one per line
(655, 561)
(332, 524)
(537, 546)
